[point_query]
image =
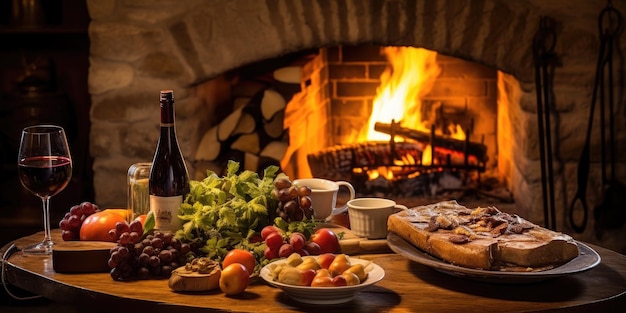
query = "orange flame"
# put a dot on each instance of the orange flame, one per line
(411, 75)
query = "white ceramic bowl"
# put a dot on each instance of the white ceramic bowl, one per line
(325, 295)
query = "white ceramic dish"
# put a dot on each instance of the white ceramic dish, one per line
(325, 295)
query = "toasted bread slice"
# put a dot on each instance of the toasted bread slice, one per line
(483, 238)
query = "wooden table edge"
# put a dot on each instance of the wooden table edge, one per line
(30, 281)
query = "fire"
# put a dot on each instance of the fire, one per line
(410, 76)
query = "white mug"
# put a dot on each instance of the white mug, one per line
(324, 195)
(368, 216)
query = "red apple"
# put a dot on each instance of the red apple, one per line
(325, 260)
(234, 279)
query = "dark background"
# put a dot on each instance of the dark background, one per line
(44, 61)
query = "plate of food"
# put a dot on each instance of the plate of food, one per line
(324, 295)
(485, 244)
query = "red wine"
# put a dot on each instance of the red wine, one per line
(45, 176)
(168, 183)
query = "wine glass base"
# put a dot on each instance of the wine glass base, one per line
(42, 248)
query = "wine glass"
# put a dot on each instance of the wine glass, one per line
(44, 168)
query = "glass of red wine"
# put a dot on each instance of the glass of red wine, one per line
(44, 168)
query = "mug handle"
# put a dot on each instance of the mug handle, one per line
(344, 208)
(400, 207)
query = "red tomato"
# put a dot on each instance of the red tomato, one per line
(243, 257)
(96, 226)
(327, 240)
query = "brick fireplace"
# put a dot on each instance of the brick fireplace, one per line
(194, 47)
(328, 119)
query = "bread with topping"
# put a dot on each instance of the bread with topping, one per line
(482, 238)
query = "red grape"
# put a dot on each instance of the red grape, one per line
(113, 234)
(88, 208)
(74, 221)
(122, 227)
(157, 243)
(143, 260)
(312, 248)
(67, 235)
(76, 210)
(135, 226)
(274, 241)
(123, 252)
(305, 202)
(297, 240)
(165, 256)
(268, 230)
(124, 238)
(285, 250)
(270, 253)
(304, 191)
(65, 225)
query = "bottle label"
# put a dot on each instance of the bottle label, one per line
(166, 212)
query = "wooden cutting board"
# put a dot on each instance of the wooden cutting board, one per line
(81, 256)
(93, 256)
(352, 244)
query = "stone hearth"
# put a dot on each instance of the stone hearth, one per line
(141, 47)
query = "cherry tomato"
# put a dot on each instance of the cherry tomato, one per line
(243, 257)
(327, 240)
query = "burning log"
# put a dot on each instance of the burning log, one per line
(478, 150)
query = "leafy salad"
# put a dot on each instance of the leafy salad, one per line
(223, 213)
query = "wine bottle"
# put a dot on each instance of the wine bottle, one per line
(168, 182)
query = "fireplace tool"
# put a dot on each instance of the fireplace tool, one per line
(614, 192)
(609, 214)
(545, 59)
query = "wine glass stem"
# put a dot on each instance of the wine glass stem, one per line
(47, 240)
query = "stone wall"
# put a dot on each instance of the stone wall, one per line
(139, 47)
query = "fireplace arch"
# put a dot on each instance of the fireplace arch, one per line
(139, 48)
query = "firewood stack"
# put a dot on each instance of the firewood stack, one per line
(404, 158)
(338, 162)
(253, 133)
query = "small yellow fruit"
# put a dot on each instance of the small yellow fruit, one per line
(339, 265)
(351, 278)
(359, 270)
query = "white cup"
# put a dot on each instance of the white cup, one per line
(324, 195)
(368, 216)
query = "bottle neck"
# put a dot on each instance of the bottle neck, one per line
(167, 114)
(167, 108)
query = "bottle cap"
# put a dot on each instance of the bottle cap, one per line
(167, 95)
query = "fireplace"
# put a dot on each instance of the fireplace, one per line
(199, 48)
(439, 110)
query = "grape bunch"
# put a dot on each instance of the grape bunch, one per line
(281, 245)
(157, 255)
(125, 233)
(294, 202)
(71, 222)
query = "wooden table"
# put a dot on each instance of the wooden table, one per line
(407, 287)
